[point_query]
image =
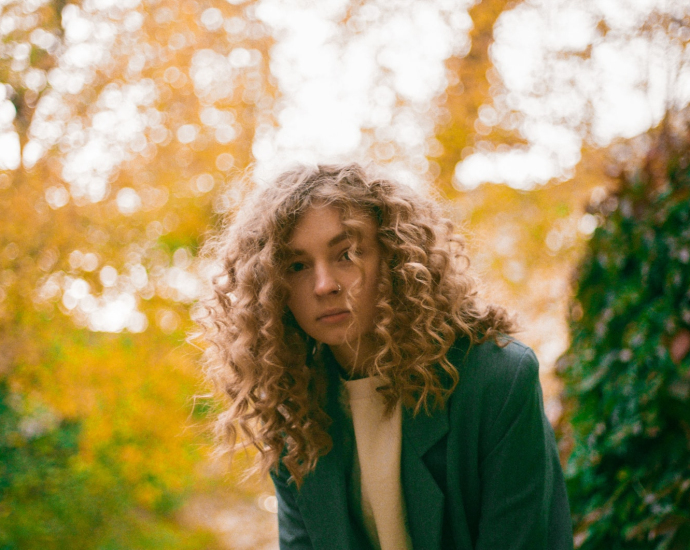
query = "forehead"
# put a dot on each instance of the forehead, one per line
(321, 223)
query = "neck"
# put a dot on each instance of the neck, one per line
(354, 360)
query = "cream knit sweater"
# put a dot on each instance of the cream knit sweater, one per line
(376, 465)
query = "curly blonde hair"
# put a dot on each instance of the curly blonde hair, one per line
(272, 373)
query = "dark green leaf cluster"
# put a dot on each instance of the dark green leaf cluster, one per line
(627, 372)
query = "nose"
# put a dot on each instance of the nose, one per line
(325, 283)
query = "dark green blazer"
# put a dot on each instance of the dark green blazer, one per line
(483, 473)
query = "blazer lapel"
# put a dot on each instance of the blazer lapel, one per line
(323, 497)
(423, 497)
(322, 500)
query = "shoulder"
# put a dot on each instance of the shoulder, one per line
(495, 365)
(496, 381)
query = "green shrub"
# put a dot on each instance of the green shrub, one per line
(627, 371)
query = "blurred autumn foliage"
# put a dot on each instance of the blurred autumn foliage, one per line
(133, 120)
(134, 123)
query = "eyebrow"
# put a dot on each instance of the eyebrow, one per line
(340, 237)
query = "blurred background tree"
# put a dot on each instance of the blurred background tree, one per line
(126, 129)
(627, 371)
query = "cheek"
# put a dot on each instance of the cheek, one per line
(292, 303)
(371, 288)
(298, 316)
(374, 276)
(296, 301)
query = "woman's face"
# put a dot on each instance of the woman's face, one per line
(320, 275)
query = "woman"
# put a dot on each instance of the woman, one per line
(392, 409)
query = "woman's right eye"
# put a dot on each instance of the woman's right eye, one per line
(295, 267)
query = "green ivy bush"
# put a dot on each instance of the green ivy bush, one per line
(627, 371)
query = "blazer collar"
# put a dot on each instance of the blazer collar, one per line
(323, 497)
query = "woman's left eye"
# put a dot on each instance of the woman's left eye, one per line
(348, 254)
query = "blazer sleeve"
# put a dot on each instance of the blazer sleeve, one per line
(292, 533)
(524, 505)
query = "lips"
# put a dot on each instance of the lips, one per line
(334, 315)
